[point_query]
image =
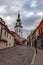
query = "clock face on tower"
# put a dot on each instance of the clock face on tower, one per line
(19, 30)
(17, 23)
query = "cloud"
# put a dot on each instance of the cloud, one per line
(29, 28)
(9, 20)
(2, 10)
(33, 4)
(31, 12)
(40, 13)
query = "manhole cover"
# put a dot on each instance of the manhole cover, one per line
(19, 54)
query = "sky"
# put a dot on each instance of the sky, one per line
(31, 13)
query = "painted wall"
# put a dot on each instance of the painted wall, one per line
(19, 31)
(9, 38)
(2, 45)
(0, 31)
(40, 28)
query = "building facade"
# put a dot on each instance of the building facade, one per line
(25, 42)
(6, 37)
(37, 33)
(17, 38)
(40, 35)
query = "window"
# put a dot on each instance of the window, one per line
(5, 33)
(41, 29)
(6, 44)
(10, 36)
(17, 23)
(19, 30)
(9, 44)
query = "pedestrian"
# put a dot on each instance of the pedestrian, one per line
(35, 41)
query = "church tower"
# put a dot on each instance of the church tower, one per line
(18, 26)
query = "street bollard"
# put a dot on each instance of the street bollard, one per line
(36, 46)
(36, 50)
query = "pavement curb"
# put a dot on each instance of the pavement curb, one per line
(33, 59)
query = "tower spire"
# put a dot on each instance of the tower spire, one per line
(18, 15)
(18, 25)
(18, 19)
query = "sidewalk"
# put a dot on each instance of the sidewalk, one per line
(39, 57)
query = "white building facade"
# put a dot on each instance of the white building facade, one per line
(6, 37)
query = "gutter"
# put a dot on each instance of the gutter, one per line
(33, 60)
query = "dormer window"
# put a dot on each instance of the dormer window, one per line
(2, 21)
(17, 23)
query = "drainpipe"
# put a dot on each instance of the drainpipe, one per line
(0, 33)
(31, 38)
(31, 41)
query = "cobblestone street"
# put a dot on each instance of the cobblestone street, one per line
(20, 55)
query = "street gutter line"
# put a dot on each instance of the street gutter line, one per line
(33, 60)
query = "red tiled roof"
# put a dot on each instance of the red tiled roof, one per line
(17, 37)
(40, 23)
